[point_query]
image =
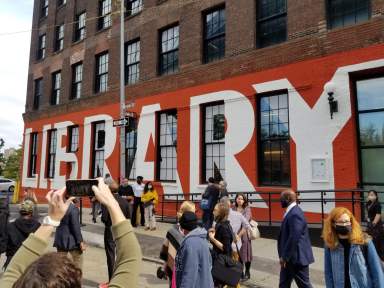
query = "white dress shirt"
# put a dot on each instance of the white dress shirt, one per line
(293, 204)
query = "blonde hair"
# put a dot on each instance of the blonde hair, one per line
(329, 233)
(186, 206)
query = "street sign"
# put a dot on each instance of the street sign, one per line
(120, 122)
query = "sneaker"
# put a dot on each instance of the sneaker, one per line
(153, 229)
(146, 228)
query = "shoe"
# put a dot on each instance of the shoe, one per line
(153, 229)
(146, 228)
(247, 275)
(94, 220)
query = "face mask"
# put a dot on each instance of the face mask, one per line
(150, 187)
(343, 230)
(284, 203)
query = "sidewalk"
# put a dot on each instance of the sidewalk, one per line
(265, 265)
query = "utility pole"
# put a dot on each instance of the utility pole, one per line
(122, 91)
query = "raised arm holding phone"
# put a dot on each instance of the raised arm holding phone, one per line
(29, 265)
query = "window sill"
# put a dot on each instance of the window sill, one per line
(128, 17)
(42, 19)
(168, 183)
(103, 30)
(57, 52)
(74, 43)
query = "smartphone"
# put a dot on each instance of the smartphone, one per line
(81, 188)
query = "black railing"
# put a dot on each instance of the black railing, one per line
(354, 199)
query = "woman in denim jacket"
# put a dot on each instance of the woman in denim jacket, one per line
(345, 242)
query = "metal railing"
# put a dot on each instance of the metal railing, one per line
(321, 201)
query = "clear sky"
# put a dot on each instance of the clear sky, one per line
(15, 15)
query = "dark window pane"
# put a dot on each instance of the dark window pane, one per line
(169, 51)
(133, 6)
(214, 37)
(271, 22)
(274, 136)
(347, 12)
(167, 165)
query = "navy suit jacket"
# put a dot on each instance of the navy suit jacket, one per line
(68, 235)
(294, 245)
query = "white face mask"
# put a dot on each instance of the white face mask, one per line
(150, 187)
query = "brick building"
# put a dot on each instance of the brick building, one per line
(228, 89)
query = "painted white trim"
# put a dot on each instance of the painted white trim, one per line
(28, 181)
(42, 180)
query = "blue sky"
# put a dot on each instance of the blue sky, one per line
(15, 15)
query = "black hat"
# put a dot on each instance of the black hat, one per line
(188, 221)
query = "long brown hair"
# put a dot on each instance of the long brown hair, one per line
(222, 212)
(245, 204)
(329, 233)
(50, 271)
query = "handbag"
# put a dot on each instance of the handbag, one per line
(254, 232)
(226, 269)
(205, 204)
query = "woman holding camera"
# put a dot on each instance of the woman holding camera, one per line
(30, 268)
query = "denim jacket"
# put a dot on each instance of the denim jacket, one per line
(360, 275)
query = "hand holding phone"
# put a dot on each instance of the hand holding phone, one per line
(80, 188)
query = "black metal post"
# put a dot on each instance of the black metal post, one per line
(162, 208)
(270, 209)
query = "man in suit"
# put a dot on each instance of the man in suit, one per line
(68, 238)
(109, 242)
(294, 246)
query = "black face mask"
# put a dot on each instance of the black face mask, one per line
(284, 203)
(343, 230)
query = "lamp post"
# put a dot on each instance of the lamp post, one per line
(122, 91)
(330, 89)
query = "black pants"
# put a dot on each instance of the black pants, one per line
(295, 272)
(207, 219)
(136, 203)
(110, 250)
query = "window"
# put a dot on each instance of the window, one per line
(274, 159)
(52, 136)
(169, 51)
(214, 142)
(44, 8)
(41, 48)
(38, 93)
(167, 160)
(102, 72)
(214, 35)
(347, 12)
(32, 155)
(133, 7)
(132, 62)
(130, 149)
(73, 136)
(80, 27)
(271, 22)
(59, 37)
(56, 87)
(98, 149)
(61, 2)
(105, 8)
(77, 78)
(370, 113)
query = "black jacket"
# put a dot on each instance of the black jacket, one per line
(68, 235)
(212, 192)
(18, 231)
(124, 206)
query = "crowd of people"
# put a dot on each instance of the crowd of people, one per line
(215, 251)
